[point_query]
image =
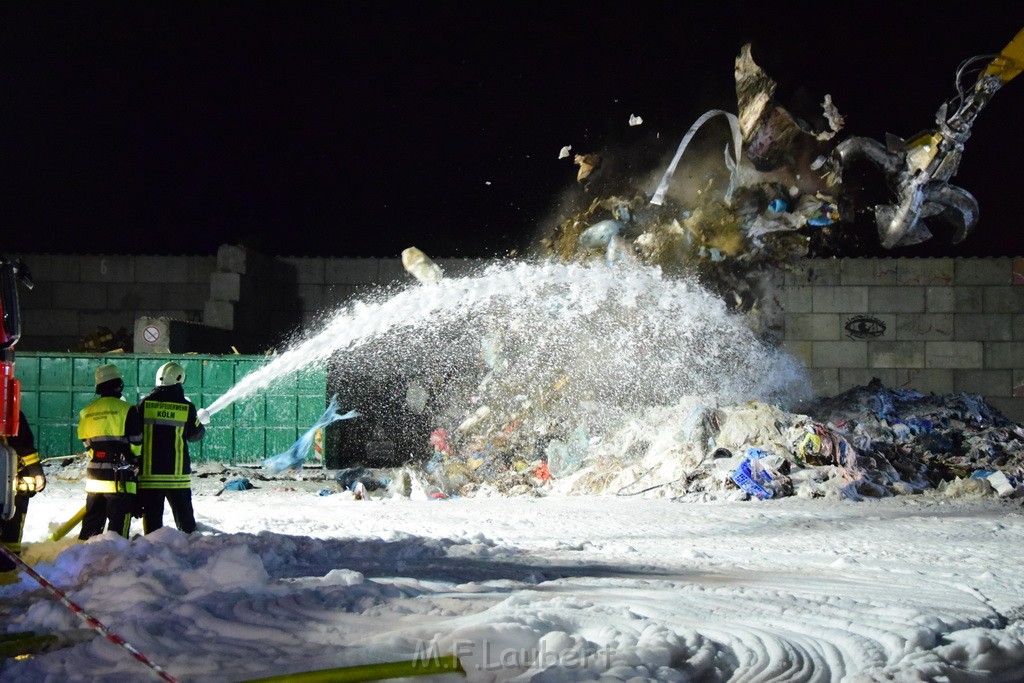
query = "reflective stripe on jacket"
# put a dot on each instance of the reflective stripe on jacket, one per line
(103, 424)
(168, 421)
(108, 486)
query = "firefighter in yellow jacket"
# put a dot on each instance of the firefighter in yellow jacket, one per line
(170, 421)
(111, 429)
(31, 481)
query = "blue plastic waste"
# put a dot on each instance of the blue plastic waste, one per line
(564, 458)
(435, 464)
(974, 406)
(749, 481)
(901, 432)
(919, 425)
(371, 481)
(293, 457)
(619, 251)
(600, 234)
(882, 405)
(238, 485)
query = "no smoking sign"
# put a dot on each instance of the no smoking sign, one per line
(151, 334)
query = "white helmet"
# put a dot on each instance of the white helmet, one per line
(105, 373)
(169, 374)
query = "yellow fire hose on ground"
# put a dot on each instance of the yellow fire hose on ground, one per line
(27, 643)
(446, 664)
(62, 531)
(21, 644)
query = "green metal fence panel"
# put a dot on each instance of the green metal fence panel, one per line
(56, 386)
(28, 371)
(279, 439)
(309, 409)
(282, 408)
(146, 378)
(219, 446)
(250, 440)
(251, 411)
(218, 374)
(55, 372)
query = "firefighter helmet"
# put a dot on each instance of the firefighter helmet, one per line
(105, 373)
(169, 374)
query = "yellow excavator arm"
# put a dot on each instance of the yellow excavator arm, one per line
(1010, 60)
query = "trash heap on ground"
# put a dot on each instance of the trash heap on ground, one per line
(870, 441)
(733, 208)
(730, 211)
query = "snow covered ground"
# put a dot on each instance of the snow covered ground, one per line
(559, 588)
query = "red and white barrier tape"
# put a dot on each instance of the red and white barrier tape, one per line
(89, 620)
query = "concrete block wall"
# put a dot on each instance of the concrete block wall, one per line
(260, 300)
(325, 284)
(76, 294)
(265, 300)
(931, 325)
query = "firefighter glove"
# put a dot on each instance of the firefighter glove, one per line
(126, 474)
(31, 484)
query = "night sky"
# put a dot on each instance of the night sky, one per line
(358, 129)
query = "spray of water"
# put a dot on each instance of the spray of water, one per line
(549, 344)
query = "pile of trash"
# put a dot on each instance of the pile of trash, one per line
(728, 213)
(102, 340)
(867, 442)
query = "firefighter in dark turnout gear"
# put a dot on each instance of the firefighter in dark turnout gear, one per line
(111, 429)
(31, 480)
(170, 422)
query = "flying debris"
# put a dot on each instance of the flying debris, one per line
(600, 234)
(564, 152)
(419, 265)
(775, 191)
(635, 120)
(588, 163)
(772, 137)
(619, 251)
